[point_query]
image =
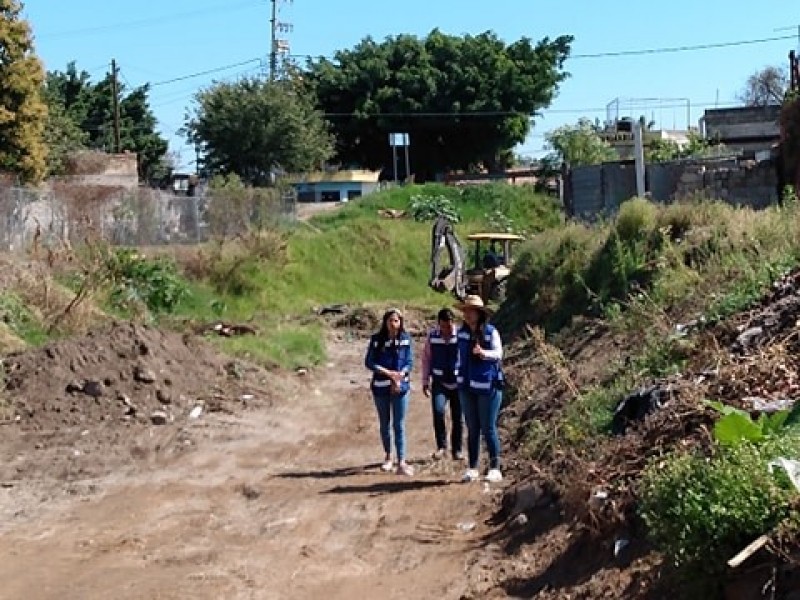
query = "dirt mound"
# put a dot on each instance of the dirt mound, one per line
(128, 373)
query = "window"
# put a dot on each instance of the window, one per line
(331, 196)
(353, 194)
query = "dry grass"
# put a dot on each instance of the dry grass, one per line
(34, 283)
(553, 359)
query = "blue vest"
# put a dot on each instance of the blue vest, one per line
(474, 373)
(395, 355)
(444, 358)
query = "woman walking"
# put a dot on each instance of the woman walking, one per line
(480, 382)
(389, 357)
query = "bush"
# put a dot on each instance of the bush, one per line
(701, 511)
(233, 267)
(428, 208)
(136, 280)
(636, 220)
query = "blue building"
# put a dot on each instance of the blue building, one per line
(335, 186)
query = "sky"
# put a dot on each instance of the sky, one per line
(173, 45)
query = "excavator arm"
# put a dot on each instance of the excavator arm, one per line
(447, 277)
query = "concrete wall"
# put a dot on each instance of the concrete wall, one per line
(101, 169)
(745, 184)
(598, 190)
(140, 217)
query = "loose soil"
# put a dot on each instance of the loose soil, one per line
(273, 491)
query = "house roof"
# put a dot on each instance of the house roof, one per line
(353, 175)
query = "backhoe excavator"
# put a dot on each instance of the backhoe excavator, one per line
(491, 263)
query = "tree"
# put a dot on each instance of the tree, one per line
(253, 127)
(465, 101)
(89, 106)
(765, 87)
(580, 144)
(22, 111)
(63, 137)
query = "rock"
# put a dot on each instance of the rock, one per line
(750, 336)
(163, 397)
(525, 497)
(158, 417)
(196, 412)
(92, 388)
(301, 371)
(143, 375)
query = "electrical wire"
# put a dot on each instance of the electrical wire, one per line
(207, 72)
(639, 52)
(674, 49)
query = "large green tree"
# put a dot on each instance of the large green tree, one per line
(253, 127)
(22, 111)
(76, 101)
(466, 101)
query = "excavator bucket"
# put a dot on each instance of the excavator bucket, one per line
(447, 276)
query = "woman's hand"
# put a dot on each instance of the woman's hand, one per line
(478, 351)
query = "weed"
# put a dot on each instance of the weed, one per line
(20, 320)
(700, 511)
(428, 208)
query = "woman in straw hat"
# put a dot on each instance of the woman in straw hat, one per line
(389, 357)
(480, 352)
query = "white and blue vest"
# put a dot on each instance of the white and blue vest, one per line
(444, 359)
(474, 373)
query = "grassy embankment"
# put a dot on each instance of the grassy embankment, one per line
(351, 256)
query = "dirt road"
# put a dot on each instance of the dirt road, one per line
(284, 501)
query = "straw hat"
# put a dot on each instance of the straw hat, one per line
(474, 301)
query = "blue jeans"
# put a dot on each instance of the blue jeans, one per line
(480, 413)
(392, 411)
(440, 396)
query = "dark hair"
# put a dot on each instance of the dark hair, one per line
(383, 334)
(480, 330)
(445, 315)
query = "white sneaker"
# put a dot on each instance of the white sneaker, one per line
(387, 466)
(494, 475)
(470, 475)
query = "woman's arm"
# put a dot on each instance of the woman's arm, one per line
(496, 350)
(407, 356)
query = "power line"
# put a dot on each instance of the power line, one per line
(674, 49)
(207, 72)
(638, 52)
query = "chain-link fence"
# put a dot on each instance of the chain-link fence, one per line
(141, 217)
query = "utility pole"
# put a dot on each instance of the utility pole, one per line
(278, 46)
(115, 104)
(273, 46)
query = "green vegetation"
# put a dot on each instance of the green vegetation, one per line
(702, 511)
(22, 111)
(251, 126)
(368, 90)
(20, 320)
(723, 255)
(80, 116)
